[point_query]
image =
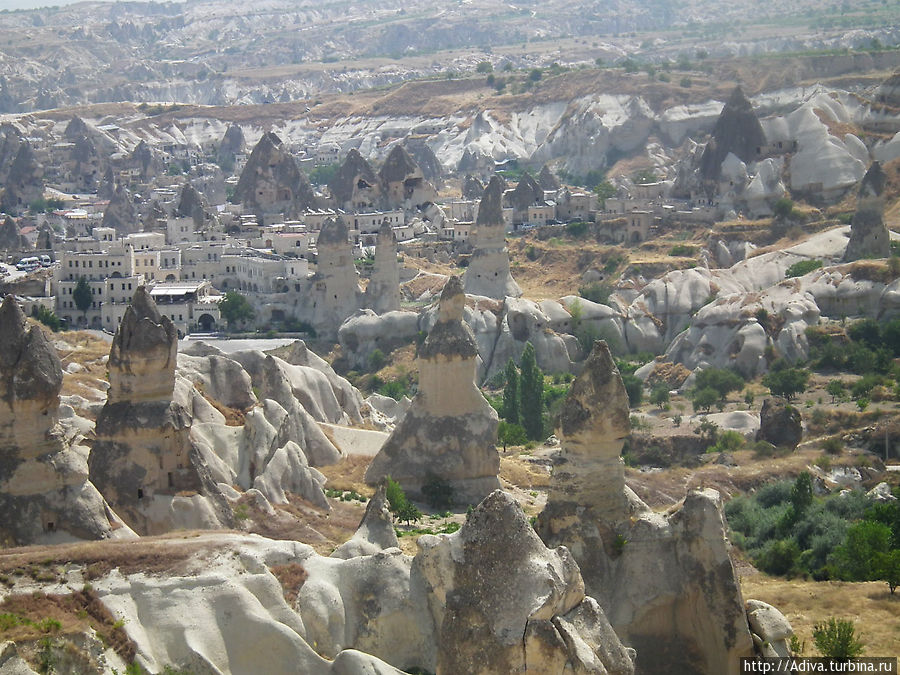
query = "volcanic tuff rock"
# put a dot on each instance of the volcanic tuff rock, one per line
(191, 205)
(335, 294)
(780, 423)
(232, 144)
(425, 158)
(450, 429)
(770, 629)
(666, 583)
(10, 239)
(402, 181)
(737, 131)
(488, 271)
(271, 182)
(143, 460)
(121, 214)
(547, 179)
(143, 159)
(375, 532)
(472, 188)
(543, 622)
(45, 496)
(355, 185)
(24, 182)
(526, 193)
(383, 291)
(869, 236)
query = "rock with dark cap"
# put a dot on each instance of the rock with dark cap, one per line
(375, 532)
(120, 213)
(402, 181)
(472, 188)
(488, 271)
(547, 179)
(450, 430)
(526, 193)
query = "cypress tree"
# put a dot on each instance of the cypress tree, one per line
(511, 394)
(531, 388)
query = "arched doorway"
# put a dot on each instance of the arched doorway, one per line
(207, 323)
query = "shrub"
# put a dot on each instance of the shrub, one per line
(798, 269)
(703, 399)
(634, 388)
(596, 292)
(376, 360)
(779, 557)
(837, 639)
(395, 495)
(721, 380)
(438, 492)
(682, 251)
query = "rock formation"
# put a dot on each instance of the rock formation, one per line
(770, 630)
(24, 183)
(472, 188)
(450, 430)
(737, 131)
(402, 181)
(869, 236)
(355, 185)
(424, 156)
(547, 179)
(143, 159)
(542, 622)
(336, 281)
(271, 182)
(232, 144)
(779, 423)
(191, 205)
(10, 239)
(375, 532)
(121, 214)
(488, 272)
(383, 291)
(526, 193)
(666, 582)
(45, 496)
(143, 460)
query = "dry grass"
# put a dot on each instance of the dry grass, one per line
(870, 605)
(152, 556)
(299, 520)
(522, 473)
(291, 576)
(38, 615)
(348, 474)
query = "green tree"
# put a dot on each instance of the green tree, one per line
(634, 388)
(511, 434)
(394, 494)
(484, 67)
(376, 360)
(786, 381)
(783, 207)
(802, 494)
(837, 639)
(46, 317)
(235, 308)
(511, 394)
(82, 295)
(703, 399)
(887, 568)
(835, 388)
(855, 559)
(604, 190)
(659, 396)
(409, 512)
(722, 380)
(531, 391)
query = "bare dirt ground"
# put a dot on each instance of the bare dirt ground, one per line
(869, 605)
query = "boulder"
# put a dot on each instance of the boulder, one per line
(770, 629)
(780, 423)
